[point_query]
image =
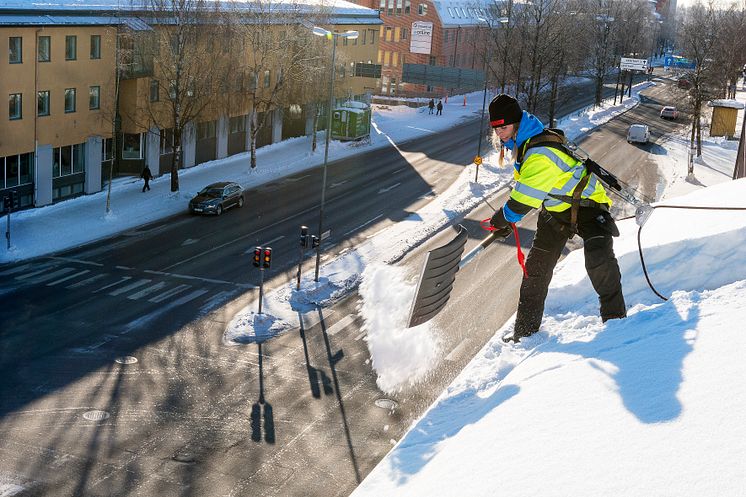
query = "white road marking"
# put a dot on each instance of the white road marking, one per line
(163, 296)
(14, 271)
(455, 352)
(124, 278)
(50, 276)
(190, 296)
(123, 267)
(334, 185)
(78, 261)
(189, 241)
(361, 335)
(366, 223)
(340, 325)
(31, 275)
(251, 250)
(311, 318)
(87, 281)
(147, 291)
(66, 278)
(131, 286)
(388, 189)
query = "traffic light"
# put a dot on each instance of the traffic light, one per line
(267, 257)
(304, 236)
(314, 241)
(6, 202)
(15, 199)
(257, 256)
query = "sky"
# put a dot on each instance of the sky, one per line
(646, 404)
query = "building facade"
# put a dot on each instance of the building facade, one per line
(70, 85)
(441, 33)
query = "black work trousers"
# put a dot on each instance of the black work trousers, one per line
(596, 227)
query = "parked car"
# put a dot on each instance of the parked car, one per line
(638, 133)
(669, 112)
(217, 197)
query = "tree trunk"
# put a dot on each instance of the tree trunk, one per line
(254, 130)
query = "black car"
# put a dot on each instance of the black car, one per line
(217, 197)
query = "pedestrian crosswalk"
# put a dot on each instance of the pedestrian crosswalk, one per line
(153, 287)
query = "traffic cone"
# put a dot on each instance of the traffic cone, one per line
(446, 97)
(464, 100)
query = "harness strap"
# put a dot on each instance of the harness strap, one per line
(575, 205)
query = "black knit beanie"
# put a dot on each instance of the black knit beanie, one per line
(504, 110)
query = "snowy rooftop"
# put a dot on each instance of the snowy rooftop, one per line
(733, 104)
(27, 12)
(455, 13)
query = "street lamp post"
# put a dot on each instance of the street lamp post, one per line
(330, 36)
(478, 158)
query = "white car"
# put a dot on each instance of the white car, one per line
(638, 133)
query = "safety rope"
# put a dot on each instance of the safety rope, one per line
(653, 207)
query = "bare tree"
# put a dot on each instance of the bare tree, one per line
(698, 39)
(184, 67)
(730, 48)
(276, 56)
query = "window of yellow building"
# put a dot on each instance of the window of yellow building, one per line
(397, 34)
(394, 59)
(386, 58)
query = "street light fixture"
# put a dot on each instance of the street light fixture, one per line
(329, 35)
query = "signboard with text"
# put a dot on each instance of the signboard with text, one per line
(422, 37)
(628, 64)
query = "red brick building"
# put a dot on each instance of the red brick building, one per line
(446, 33)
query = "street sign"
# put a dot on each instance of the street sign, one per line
(628, 64)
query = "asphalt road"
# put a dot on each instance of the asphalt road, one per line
(114, 379)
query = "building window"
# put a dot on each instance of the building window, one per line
(363, 32)
(42, 103)
(95, 46)
(16, 170)
(71, 47)
(154, 90)
(407, 6)
(206, 130)
(94, 97)
(15, 104)
(391, 7)
(404, 33)
(15, 50)
(267, 76)
(399, 5)
(422, 9)
(44, 49)
(132, 146)
(237, 124)
(395, 59)
(70, 100)
(68, 160)
(388, 33)
(382, 6)
(344, 42)
(167, 141)
(107, 147)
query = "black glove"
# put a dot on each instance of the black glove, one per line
(502, 227)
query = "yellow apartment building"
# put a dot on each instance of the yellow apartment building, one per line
(60, 75)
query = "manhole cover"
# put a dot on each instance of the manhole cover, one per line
(386, 404)
(128, 359)
(95, 415)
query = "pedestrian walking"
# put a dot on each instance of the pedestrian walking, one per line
(570, 200)
(146, 175)
(431, 106)
(440, 108)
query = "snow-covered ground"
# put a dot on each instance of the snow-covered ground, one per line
(626, 408)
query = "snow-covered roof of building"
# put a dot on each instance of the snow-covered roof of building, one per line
(463, 13)
(79, 12)
(733, 104)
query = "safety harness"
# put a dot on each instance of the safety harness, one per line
(555, 138)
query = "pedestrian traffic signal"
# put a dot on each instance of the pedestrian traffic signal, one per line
(257, 256)
(314, 241)
(267, 257)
